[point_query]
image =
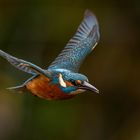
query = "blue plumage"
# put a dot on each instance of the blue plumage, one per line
(63, 72)
(83, 42)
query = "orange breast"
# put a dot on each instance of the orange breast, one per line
(42, 88)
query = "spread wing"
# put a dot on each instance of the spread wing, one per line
(24, 65)
(82, 43)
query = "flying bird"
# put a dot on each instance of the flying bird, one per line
(61, 79)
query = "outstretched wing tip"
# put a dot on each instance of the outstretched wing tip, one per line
(91, 18)
(88, 13)
(88, 29)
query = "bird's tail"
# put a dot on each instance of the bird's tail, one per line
(20, 88)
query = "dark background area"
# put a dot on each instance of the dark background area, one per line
(37, 30)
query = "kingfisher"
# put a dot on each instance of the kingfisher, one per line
(61, 79)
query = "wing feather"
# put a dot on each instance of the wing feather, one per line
(80, 45)
(24, 65)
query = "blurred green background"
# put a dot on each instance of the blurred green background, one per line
(37, 30)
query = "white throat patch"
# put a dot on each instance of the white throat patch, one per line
(61, 81)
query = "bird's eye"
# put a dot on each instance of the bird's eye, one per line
(73, 82)
(76, 83)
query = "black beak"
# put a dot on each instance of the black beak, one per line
(85, 85)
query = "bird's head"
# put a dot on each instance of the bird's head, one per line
(73, 83)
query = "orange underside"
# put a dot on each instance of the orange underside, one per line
(42, 88)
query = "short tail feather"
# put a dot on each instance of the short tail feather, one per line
(20, 88)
